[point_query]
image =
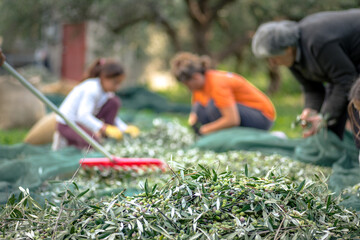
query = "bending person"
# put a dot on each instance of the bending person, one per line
(221, 99)
(93, 105)
(354, 111)
(2, 57)
(323, 48)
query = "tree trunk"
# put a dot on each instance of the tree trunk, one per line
(201, 38)
(275, 80)
(199, 13)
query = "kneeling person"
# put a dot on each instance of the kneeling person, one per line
(93, 106)
(221, 99)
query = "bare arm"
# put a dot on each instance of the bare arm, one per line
(192, 118)
(229, 118)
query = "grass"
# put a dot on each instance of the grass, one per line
(287, 107)
(12, 136)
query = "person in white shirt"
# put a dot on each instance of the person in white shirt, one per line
(93, 105)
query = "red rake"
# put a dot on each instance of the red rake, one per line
(109, 161)
(124, 163)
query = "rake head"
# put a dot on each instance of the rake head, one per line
(130, 164)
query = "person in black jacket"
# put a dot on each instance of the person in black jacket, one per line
(323, 53)
(354, 111)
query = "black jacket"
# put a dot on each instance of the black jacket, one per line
(329, 48)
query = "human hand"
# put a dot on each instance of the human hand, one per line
(306, 113)
(311, 122)
(133, 131)
(2, 57)
(192, 119)
(113, 132)
(315, 125)
(98, 135)
(196, 127)
(204, 129)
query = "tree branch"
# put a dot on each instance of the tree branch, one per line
(156, 17)
(125, 24)
(202, 16)
(217, 7)
(169, 29)
(235, 45)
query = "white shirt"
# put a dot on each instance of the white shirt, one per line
(84, 102)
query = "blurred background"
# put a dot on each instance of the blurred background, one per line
(57, 40)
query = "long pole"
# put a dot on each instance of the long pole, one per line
(70, 123)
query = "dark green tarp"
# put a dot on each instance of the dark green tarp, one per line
(323, 149)
(29, 166)
(138, 98)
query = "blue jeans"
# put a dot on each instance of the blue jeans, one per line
(249, 117)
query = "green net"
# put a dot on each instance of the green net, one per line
(138, 98)
(29, 166)
(324, 149)
(248, 139)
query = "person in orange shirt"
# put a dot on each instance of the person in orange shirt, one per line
(221, 99)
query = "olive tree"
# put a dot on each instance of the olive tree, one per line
(221, 29)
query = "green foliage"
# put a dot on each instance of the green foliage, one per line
(292, 9)
(196, 203)
(263, 196)
(21, 19)
(226, 36)
(231, 20)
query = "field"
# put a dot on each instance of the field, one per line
(204, 195)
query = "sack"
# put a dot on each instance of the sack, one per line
(19, 108)
(62, 87)
(42, 132)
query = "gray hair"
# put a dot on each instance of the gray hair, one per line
(273, 38)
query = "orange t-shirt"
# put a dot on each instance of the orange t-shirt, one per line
(227, 89)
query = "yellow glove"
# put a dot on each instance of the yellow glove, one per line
(133, 131)
(113, 132)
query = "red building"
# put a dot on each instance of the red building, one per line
(73, 51)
